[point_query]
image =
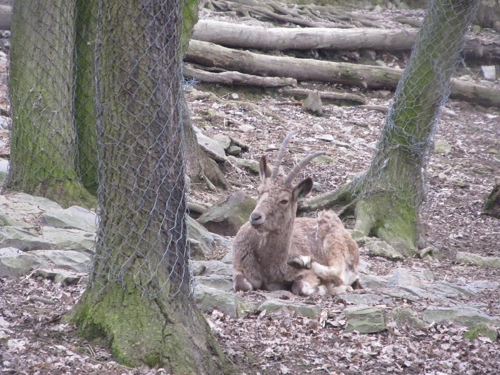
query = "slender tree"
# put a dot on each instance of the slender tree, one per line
(43, 147)
(387, 197)
(138, 297)
(84, 73)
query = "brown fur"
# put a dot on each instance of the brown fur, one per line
(263, 252)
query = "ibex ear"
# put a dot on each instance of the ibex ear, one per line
(302, 189)
(264, 170)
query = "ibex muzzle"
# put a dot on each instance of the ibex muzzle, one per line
(276, 250)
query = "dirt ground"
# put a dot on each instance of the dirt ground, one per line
(458, 182)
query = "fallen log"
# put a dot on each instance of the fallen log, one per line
(236, 78)
(327, 95)
(280, 38)
(366, 76)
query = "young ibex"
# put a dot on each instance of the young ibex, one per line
(275, 250)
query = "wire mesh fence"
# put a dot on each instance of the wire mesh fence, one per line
(95, 88)
(415, 108)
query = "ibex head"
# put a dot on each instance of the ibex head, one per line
(278, 197)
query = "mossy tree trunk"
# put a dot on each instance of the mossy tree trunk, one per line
(43, 149)
(388, 196)
(138, 298)
(200, 168)
(85, 116)
(492, 204)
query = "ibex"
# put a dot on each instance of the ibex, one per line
(275, 250)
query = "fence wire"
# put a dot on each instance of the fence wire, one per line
(96, 95)
(415, 108)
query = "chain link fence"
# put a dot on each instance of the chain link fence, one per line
(96, 94)
(415, 108)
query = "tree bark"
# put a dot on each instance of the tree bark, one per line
(366, 76)
(279, 38)
(43, 149)
(138, 297)
(492, 204)
(236, 78)
(387, 197)
(85, 116)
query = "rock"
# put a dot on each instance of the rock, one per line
(196, 250)
(325, 137)
(224, 283)
(469, 258)
(22, 239)
(318, 127)
(250, 165)
(478, 286)
(380, 248)
(372, 281)
(318, 187)
(18, 263)
(4, 122)
(239, 143)
(212, 147)
(313, 103)
(442, 146)
(481, 329)
(367, 299)
(68, 239)
(272, 306)
(406, 317)
(227, 215)
(365, 319)
(324, 159)
(22, 207)
(201, 235)
(489, 72)
(207, 299)
(234, 150)
(210, 267)
(74, 217)
(228, 258)
(60, 276)
(402, 278)
(223, 140)
(66, 259)
(429, 251)
(234, 96)
(245, 128)
(465, 315)
(4, 167)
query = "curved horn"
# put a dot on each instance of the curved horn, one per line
(295, 171)
(277, 163)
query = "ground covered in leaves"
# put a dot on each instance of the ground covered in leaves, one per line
(461, 172)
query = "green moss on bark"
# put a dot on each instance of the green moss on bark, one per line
(43, 137)
(167, 332)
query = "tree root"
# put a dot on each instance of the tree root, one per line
(380, 214)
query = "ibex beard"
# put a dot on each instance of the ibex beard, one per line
(275, 250)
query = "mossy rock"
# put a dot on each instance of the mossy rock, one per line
(227, 215)
(365, 319)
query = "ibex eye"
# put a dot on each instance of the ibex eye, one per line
(284, 201)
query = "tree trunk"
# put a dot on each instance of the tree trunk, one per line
(492, 204)
(138, 298)
(43, 149)
(366, 76)
(85, 117)
(387, 197)
(280, 38)
(200, 168)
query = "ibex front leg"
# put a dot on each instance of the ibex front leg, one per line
(240, 283)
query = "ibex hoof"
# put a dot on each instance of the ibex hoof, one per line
(300, 262)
